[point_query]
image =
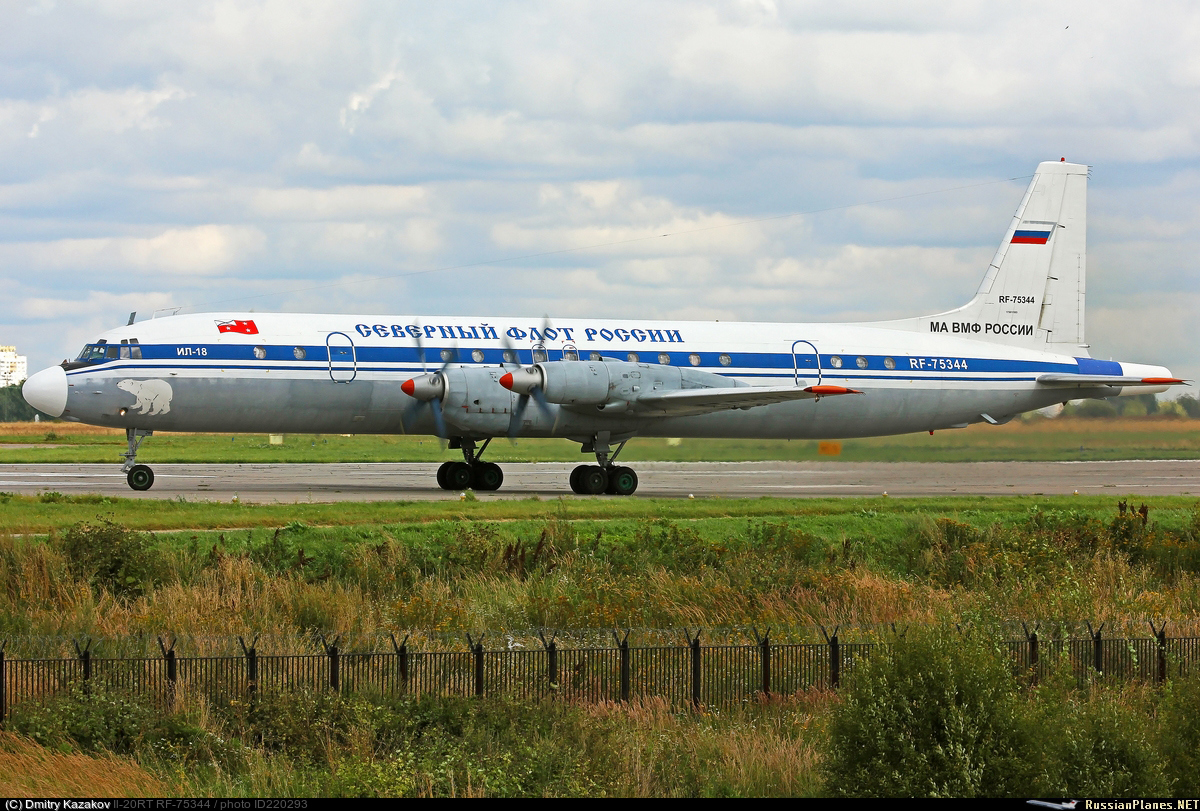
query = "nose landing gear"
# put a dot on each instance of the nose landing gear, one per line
(139, 477)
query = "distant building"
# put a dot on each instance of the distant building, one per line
(13, 367)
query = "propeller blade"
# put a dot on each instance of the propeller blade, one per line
(439, 423)
(510, 351)
(542, 404)
(409, 415)
(514, 422)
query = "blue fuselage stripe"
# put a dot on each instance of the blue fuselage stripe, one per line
(408, 361)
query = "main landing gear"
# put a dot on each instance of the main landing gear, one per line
(605, 477)
(471, 473)
(140, 477)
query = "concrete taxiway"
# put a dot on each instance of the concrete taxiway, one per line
(276, 483)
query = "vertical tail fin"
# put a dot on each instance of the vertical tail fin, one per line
(1033, 292)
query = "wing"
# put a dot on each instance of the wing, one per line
(702, 401)
(1091, 381)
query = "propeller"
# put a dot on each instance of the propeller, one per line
(527, 383)
(428, 390)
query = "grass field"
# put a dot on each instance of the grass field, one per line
(215, 569)
(1037, 439)
(209, 572)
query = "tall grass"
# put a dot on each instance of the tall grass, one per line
(33, 771)
(448, 577)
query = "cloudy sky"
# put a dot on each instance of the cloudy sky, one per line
(395, 157)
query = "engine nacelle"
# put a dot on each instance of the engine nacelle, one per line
(610, 384)
(563, 382)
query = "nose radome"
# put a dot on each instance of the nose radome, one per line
(47, 391)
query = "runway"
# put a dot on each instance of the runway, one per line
(276, 483)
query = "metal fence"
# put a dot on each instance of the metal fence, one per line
(693, 674)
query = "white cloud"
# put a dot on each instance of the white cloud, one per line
(284, 144)
(199, 250)
(94, 303)
(338, 203)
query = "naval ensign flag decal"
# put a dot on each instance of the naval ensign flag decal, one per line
(244, 327)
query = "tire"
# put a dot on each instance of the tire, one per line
(458, 476)
(622, 481)
(140, 477)
(593, 480)
(487, 476)
(441, 475)
(576, 487)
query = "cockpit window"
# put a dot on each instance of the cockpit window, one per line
(102, 350)
(93, 352)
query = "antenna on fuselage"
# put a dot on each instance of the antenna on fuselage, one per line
(132, 316)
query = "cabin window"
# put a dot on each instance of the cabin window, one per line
(889, 363)
(860, 362)
(540, 356)
(510, 356)
(664, 358)
(446, 355)
(632, 357)
(299, 353)
(835, 361)
(724, 359)
(134, 349)
(477, 355)
(260, 352)
(594, 356)
(694, 359)
(570, 353)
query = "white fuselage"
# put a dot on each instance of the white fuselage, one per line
(343, 373)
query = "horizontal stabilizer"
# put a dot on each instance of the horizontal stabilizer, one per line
(699, 401)
(1090, 381)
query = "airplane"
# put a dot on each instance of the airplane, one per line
(1016, 346)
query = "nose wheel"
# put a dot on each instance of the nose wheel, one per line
(139, 477)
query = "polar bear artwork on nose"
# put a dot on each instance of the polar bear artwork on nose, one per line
(153, 396)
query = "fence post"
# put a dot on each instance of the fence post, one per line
(401, 661)
(1097, 648)
(764, 650)
(331, 650)
(3, 685)
(172, 671)
(835, 657)
(551, 660)
(623, 647)
(476, 647)
(1160, 634)
(694, 644)
(1032, 637)
(85, 656)
(251, 667)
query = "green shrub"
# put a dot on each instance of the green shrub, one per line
(936, 715)
(113, 557)
(89, 721)
(1099, 745)
(1179, 734)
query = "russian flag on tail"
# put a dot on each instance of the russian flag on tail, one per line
(1030, 237)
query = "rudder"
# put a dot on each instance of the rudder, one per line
(1033, 292)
